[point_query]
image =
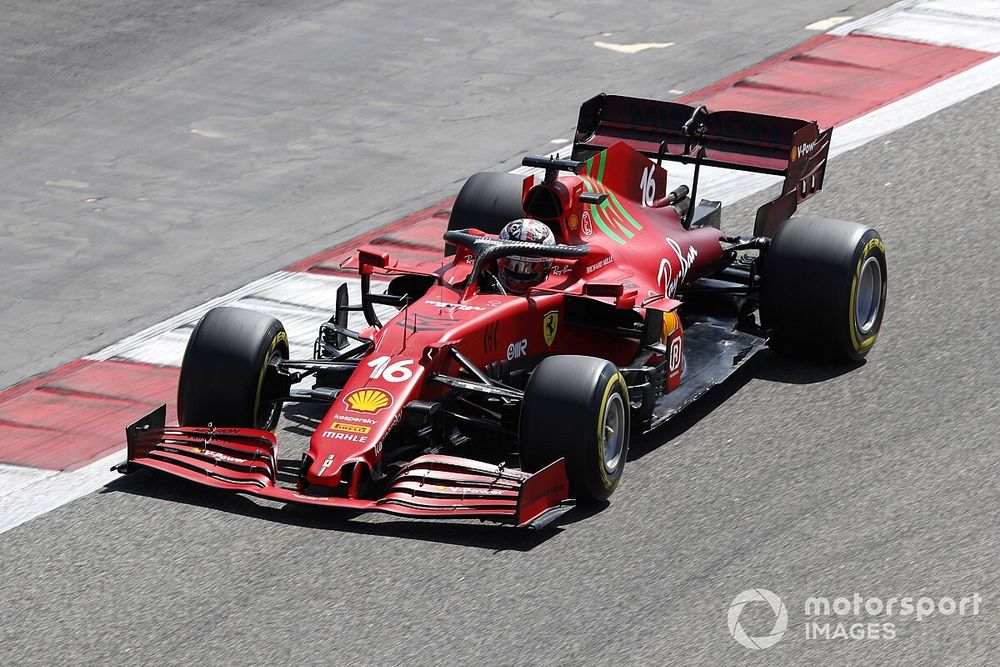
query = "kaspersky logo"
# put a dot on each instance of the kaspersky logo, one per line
(780, 618)
(368, 400)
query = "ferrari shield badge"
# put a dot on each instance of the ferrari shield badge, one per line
(549, 326)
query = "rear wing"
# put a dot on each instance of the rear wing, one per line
(741, 140)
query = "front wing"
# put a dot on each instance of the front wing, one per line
(430, 486)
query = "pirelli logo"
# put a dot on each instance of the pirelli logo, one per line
(349, 428)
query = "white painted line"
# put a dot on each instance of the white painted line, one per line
(989, 9)
(917, 106)
(187, 316)
(302, 301)
(14, 479)
(865, 22)
(632, 48)
(967, 24)
(941, 30)
(52, 489)
(166, 349)
(826, 24)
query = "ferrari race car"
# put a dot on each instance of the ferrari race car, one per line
(473, 401)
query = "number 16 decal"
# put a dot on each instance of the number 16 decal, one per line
(397, 372)
(648, 187)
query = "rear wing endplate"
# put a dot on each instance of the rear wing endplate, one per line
(789, 147)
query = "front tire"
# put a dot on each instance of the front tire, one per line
(577, 408)
(823, 286)
(225, 367)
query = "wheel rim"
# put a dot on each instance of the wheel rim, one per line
(613, 432)
(268, 411)
(868, 296)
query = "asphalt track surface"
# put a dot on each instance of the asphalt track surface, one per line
(801, 478)
(155, 155)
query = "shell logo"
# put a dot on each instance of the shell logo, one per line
(368, 400)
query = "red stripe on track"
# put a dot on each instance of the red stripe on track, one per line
(698, 96)
(412, 240)
(78, 413)
(836, 79)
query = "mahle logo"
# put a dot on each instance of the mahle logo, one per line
(780, 618)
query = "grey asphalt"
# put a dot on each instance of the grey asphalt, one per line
(805, 479)
(154, 154)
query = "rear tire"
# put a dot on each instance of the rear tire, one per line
(577, 408)
(487, 202)
(823, 286)
(223, 373)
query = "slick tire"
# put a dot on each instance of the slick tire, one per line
(224, 370)
(487, 202)
(823, 287)
(577, 408)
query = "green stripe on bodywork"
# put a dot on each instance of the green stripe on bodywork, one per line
(595, 211)
(621, 209)
(595, 184)
(604, 226)
(612, 200)
(611, 210)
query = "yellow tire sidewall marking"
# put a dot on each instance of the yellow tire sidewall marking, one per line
(279, 337)
(862, 345)
(612, 381)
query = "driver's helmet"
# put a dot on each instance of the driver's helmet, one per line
(519, 273)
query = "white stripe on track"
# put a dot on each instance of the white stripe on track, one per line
(300, 300)
(187, 316)
(16, 479)
(304, 300)
(968, 24)
(51, 489)
(917, 106)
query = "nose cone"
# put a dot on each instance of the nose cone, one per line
(351, 431)
(360, 418)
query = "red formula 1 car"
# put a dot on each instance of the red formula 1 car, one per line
(472, 401)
